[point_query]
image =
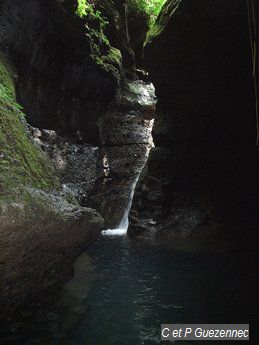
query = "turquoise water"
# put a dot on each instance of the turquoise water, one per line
(124, 289)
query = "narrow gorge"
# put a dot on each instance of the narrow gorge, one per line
(127, 167)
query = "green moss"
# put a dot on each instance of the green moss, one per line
(110, 62)
(87, 9)
(22, 163)
(105, 56)
(7, 89)
(96, 22)
(6, 81)
(151, 7)
(169, 8)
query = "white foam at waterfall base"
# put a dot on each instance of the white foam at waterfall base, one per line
(124, 224)
(114, 232)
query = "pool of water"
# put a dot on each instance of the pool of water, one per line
(124, 289)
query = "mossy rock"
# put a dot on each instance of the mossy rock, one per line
(6, 81)
(42, 228)
(22, 163)
(169, 9)
(110, 62)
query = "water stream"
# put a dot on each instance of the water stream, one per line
(124, 224)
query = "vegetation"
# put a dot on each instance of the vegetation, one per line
(86, 8)
(95, 25)
(95, 13)
(21, 162)
(151, 7)
(169, 9)
(7, 91)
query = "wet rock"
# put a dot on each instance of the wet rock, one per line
(110, 195)
(136, 94)
(126, 138)
(102, 177)
(40, 239)
(129, 119)
(78, 165)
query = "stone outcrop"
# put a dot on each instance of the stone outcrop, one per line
(42, 228)
(200, 177)
(78, 165)
(40, 239)
(126, 140)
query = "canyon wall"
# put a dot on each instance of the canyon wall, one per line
(49, 65)
(42, 227)
(200, 178)
(66, 110)
(87, 129)
(59, 84)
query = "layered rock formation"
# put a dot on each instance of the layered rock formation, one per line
(126, 141)
(200, 177)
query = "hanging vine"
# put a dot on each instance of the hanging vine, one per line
(253, 33)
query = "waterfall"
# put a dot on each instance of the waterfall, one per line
(124, 224)
(135, 127)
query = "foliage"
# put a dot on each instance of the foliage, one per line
(151, 7)
(169, 8)
(86, 8)
(94, 13)
(95, 25)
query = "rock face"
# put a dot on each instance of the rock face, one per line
(40, 239)
(42, 228)
(199, 178)
(102, 176)
(126, 140)
(78, 165)
(59, 84)
(135, 26)
(67, 77)
(88, 136)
